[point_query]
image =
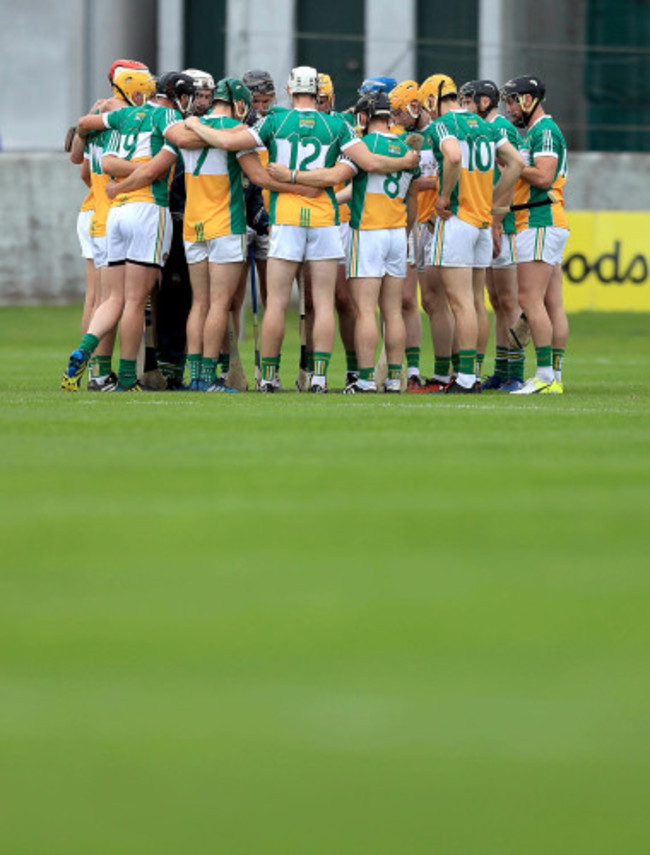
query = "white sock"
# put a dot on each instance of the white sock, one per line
(412, 371)
(318, 380)
(466, 380)
(558, 376)
(545, 374)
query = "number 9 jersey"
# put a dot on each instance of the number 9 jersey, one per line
(304, 139)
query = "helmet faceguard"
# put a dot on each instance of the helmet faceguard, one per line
(476, 90)
(233, 91)
(173, 85)
(372, 105)
(434, 90)
(517, 89)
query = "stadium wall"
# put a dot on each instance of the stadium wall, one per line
(607, 262)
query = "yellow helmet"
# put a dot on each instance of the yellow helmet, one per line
(433, 89)
(405, 97)
(127, 82)
(326, 89)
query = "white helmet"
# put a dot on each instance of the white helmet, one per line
(303, 80)
(202, 79)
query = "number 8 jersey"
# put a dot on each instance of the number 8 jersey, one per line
(471, 198)
(304, 139)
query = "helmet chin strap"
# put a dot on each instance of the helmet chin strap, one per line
(526, 115)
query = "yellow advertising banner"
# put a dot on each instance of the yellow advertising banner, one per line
(607, 262)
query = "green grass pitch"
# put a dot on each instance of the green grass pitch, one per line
(321, 624)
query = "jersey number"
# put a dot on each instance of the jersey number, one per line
(304, 151)
(480, 155)
(391, 184)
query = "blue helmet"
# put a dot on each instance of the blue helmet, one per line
(377, 84)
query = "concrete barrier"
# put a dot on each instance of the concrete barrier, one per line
(41, 194)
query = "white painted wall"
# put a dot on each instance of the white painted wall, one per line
(390, 34)
(260, 35)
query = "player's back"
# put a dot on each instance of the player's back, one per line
(379, 201)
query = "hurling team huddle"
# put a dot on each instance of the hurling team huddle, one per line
(422, 201)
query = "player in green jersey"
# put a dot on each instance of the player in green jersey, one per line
(302, 229)
(467, 149)
(542, 230)
(482, 97)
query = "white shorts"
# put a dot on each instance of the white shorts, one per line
(425, 239)
(140, 232)
(260, 242)
(344, 228)
(375, 253)
(507, 256)
(100, 253)
(543, 244)
(458, 244)
(302, 243)
(83, 233)
(226, 249)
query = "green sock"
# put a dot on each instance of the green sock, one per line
(195, 365)
(442, 366)
(269, 367)
(224, 362)
(367, 373)
(466, 361)
(394, 372)
(501, 362)
(103, 365)
(543, 356)
(321, 362)
(455, 362)
(127, 373)
(558, 358)
(479, 364)
(351, 364)
(516, 358)
(413, 358)
(209, 369)
(310, 361)
(88, 343)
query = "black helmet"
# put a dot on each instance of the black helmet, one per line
(373, 104)
(524, 85)
(174, 84)
(477, 89)
(259, 82)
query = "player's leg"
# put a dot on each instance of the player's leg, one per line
(460, 294)
(224, 283)
(555, 307)
(346, 315)
(412, 324)
(200, 282)
(323, 284)
(502, 290)
(280, 275)
(139, 281)
(478, 287)
(365, 298)
(441, 323)
(391, 304)
(533, 280)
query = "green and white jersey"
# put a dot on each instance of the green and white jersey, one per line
(471, 199)
(379, 201)
(544, 139)
(141, 137)
(96, 143)
(215, 195)
(511, 134)
(304, 139)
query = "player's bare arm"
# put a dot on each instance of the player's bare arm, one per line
(382, 163)
(253, 168)
(411, 207)
(143, 174)
(542, 174)
(117, 167)
(344, 196)
(181, 136)
(323, 177)
(228, 140)
(452, 161)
